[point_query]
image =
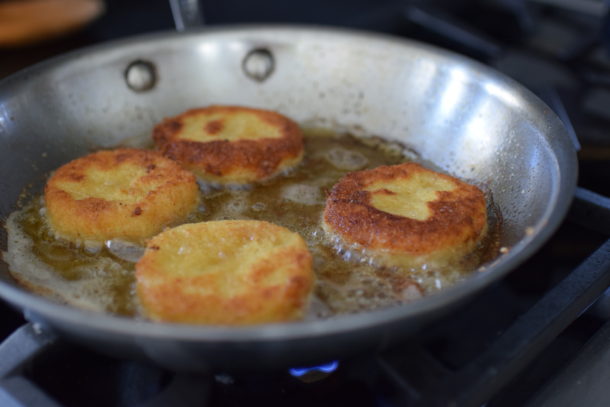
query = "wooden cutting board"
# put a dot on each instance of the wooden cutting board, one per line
(24, 22)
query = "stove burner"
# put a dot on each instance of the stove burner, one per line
(315, 373)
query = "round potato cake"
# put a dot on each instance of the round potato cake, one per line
(125, 194)
(406, 215)
(231, 272)
(231, 144)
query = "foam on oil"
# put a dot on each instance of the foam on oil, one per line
(347, 279)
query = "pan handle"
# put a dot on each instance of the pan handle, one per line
(187, 14)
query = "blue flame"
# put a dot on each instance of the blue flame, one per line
(326, 368)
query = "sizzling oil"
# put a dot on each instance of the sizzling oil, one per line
(346, 281)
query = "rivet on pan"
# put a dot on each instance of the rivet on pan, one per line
(141, 75)
(258, 64)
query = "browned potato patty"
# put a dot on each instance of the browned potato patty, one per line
(406, 215)
(231, 144)
(125, 194)
(225, 272)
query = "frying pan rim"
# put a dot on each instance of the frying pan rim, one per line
(36, 306)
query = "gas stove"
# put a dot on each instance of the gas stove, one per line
(539, 337)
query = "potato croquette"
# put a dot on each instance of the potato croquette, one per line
(124, 194)
(406, 215)
(231, 144)
(233, 272)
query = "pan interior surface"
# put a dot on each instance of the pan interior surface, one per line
(468, 120)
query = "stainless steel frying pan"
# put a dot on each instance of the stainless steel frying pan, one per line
(466, 118)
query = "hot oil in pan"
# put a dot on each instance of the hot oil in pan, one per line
(89, 279)
(346, 281)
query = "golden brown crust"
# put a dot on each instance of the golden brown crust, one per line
(267, 144)
(455, 216)
(225, 272)
(126, 194)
